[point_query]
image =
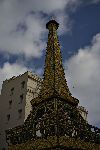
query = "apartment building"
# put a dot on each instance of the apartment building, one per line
(15, 98)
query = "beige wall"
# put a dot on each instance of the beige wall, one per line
(33, 85)
(12, 109)
(15, 98)
(6, 95)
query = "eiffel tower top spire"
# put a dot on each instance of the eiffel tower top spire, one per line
(54, 82)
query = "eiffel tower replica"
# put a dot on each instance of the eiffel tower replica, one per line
(54, 122)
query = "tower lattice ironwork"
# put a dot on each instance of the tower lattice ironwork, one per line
(54, 122)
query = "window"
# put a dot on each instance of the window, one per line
(12, 91)
(20, 113)
(21, 98)
(23, 84)
(8, 139)
(8, 117)
(10, 103)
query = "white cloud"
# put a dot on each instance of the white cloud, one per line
(84, 74)
(29, 42)
(9, 70)
(64, 22)
(22, 32)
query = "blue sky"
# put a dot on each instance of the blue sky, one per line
(23, 38)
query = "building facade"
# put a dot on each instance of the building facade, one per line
(15, 98)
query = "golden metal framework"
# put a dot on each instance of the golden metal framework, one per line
(54, 122)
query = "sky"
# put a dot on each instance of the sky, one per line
(23, 40)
